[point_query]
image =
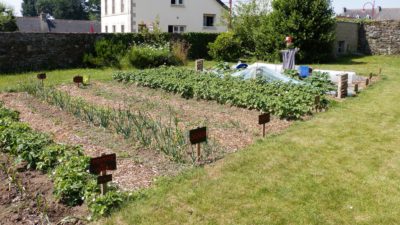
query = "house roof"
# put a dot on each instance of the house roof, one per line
(379, 14)
(222, 4)
(37, 25)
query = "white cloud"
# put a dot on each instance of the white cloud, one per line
(16, 4)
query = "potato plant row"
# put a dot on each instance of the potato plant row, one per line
(285, 100)
(66, 165)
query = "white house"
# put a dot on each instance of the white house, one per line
(175, 16)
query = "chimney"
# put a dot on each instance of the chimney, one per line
(344, 9)
(44, 26)
(380, 8)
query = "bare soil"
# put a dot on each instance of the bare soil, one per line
(26, 197)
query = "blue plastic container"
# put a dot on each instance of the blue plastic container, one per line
(304, 71)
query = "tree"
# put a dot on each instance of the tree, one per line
(63, 9)
(310, 22)
(247, 19)
(8, 22)
(29, 8)
(93, 8)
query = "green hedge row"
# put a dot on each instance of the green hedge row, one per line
(198, 41)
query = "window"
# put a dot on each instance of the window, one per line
(208, 20)
(122, 6)
(176, 29)
(114, 29)
(106, 29)
(106, 6)
(341, 46)
(122, 29)
(113, 6)
(176, 2)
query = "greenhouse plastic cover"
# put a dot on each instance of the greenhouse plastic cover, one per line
(262, 70)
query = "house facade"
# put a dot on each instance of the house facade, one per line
(174, 16)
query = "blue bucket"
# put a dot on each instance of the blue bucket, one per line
(304, 71)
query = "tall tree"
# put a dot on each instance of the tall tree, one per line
(63, 9)
(8, 22)
(310, 22)
(93, 8)
(29, 8)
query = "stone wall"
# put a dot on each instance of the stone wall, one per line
(380, 38)
(40, 51)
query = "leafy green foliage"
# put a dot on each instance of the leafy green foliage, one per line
(29, 8)
(147, 56)
(8, 22)
(106, 53)
(227, 47)
(72, 182)
(310, 22)
(63, 9)
(103, 205)
(71, 177)
(283, 99)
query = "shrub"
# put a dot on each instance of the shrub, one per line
(106, 53)
(227, 47)
(147, 56)
(180, 50)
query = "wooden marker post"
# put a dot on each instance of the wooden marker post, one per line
(343, 85)
(367, 82)
(317, 103)
(78, 80)
(198, 136)
(264, 119)
(355, 88)
(42, 77)
(370, 76)
(100, 165)
(199, 65)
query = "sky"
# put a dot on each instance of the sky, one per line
(337, 4)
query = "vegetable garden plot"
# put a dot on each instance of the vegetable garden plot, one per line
(137, 167)
(232, 127)
(284, 100)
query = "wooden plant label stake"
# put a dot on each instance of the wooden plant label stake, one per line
(317, 103)
(42, 77)
(199, 65)
(264, 119)
(100, 165)
(356, 88)
(198, 136)
(78, 80)
(343, 85)
(367, 82)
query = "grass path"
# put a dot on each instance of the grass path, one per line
(342, 167)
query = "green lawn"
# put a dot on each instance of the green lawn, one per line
(341, 167)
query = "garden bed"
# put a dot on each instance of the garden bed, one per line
(26, 197)
(136, 167)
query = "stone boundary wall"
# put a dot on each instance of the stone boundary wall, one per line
(40, 51)
(380, 38)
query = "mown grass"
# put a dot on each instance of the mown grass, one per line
(11, 81)
(341, 167)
